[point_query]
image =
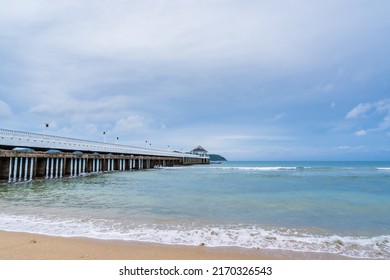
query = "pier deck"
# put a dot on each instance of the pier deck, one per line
(25, 156)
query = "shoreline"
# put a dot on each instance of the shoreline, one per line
(30, 246)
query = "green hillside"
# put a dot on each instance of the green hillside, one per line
(214, 157)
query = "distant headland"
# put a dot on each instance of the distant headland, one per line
(214, 157)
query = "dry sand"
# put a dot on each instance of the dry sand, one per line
(26, 246)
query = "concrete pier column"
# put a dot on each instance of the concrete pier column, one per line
(47, 168)
(57, 167)
(52, 169)
(71, 167)
(98, 165)
(15, 168)
(20, 169)
(108, 164)
(80, 163)
(93, 165)
(120, 164)
(10, 170)
(31, 168)
(75, 167)
(61, 166)
(130, 164)
(112, 165)
(84, 164)
(25, 168)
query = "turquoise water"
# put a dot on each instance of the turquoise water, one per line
(332, 207)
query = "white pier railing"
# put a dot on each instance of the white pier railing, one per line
(12, 138)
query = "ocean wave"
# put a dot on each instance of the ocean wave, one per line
(266, 168)
(245, 236)
(299, 168)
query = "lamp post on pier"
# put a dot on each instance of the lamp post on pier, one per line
(46, 127)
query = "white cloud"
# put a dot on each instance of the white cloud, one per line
(359, 110)
(277, 117)
(132, 123)
(59, 106)
(381, 107)
(157, 67)
(348, 149)
(5, 110)
(361, 132)
(343, 148)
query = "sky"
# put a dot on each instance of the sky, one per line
(247, 79)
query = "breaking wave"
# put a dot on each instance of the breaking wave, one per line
(239, 235)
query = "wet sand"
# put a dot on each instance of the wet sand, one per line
(26, 246)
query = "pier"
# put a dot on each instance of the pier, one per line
(27, 156)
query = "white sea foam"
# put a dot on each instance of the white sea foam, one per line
(383, 168)
(266, 168)
(246, 236)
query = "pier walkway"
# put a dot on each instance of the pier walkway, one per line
(25, 156)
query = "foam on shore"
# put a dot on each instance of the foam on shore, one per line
(244, 236)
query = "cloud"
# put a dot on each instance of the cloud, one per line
(100, 108)
(348, 149)
(5, 110)
(343, 148)
(277, 117)
(131, 124)
(193, 72)
(371, 110)
(360, 110)
(361, 132)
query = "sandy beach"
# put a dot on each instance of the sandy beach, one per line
(26, 246)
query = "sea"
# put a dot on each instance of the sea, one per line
(340, 208)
